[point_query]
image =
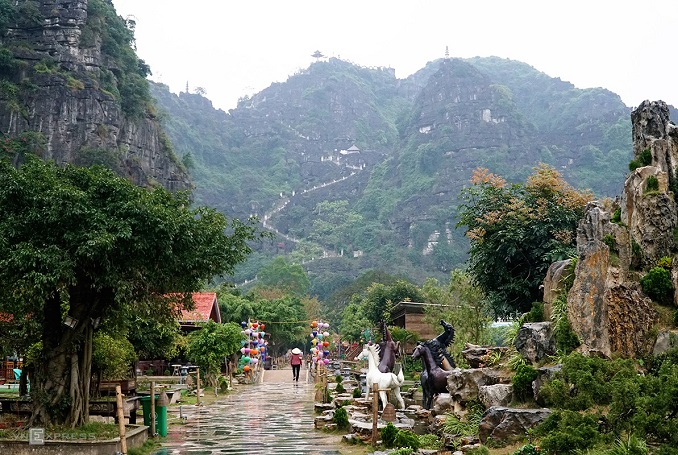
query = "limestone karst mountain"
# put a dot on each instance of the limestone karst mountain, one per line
(417, 139)
(73, 87)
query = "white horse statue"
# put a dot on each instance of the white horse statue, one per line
(383, 380)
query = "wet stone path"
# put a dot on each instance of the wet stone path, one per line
(274, 417)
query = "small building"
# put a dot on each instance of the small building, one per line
(410, 316)
(206, 308)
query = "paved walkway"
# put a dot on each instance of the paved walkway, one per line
(274, 417)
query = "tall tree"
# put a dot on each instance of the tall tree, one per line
(380, 298)
(353, 322)
(517, 231)
(77, 245)
(461, 304)
(285, 276)
(209, 346)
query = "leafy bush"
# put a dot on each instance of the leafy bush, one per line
(655, 416)
(636, 254)
(586, 381)
(340, 388)
(554, 393)
(388, 434)
(340, 418)
(616, 216)
(403, 451)
(610, 241)
(652, 184)
(536, 314)
(522, 381)
(430, 441)
(631, 446)
(666, 450)
(633, 165)
(568, 431)
(566, 340)
(665, 262)
(658, 286)
(527, 449)
(406, 438)
(453, 425)
(357, 393)
(645, 157)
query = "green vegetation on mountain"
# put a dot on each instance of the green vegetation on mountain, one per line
(126, 80)
(392, 206)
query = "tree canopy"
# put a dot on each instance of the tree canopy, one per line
(209, 346)
(81, 244)
(461, 304)
(283, 275)
(517, 231)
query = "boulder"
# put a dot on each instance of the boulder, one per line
(509, 425)
(480, 356)
(545, 374)
(535, 340)
(652, 218)
(495, 395)
(553, 284)
(322, 421)
(666, 339)
(463, 385)
(442, 403)
(606, 311)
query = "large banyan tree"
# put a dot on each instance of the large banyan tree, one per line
(79, 247)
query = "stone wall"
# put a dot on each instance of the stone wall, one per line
(136, 437)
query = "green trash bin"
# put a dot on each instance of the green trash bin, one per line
(161, 402)
(146, 408)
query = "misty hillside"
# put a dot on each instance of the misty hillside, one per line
(352, 162)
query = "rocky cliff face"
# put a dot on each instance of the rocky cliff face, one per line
(606, 305)
(66, 82)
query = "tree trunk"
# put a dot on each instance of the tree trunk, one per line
(61, 383)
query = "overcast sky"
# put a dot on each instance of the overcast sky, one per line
(233, 48)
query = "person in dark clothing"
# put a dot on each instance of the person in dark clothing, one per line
(295, 361)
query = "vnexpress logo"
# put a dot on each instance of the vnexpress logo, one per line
(36, 436)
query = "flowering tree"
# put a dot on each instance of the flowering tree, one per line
(517, 231)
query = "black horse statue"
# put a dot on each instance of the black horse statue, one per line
(438, 347)
(433, 378)
(388, 350)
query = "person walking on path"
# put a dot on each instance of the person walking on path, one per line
(295, 361)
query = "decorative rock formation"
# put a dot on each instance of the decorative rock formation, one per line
(535, 340)
(666, 340)
(607, 312)
(553, 284)
(464, 385)
(479, 356)
(508, 425)
(495, 395)
(606, 308)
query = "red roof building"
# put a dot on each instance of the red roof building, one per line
(206, 308)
